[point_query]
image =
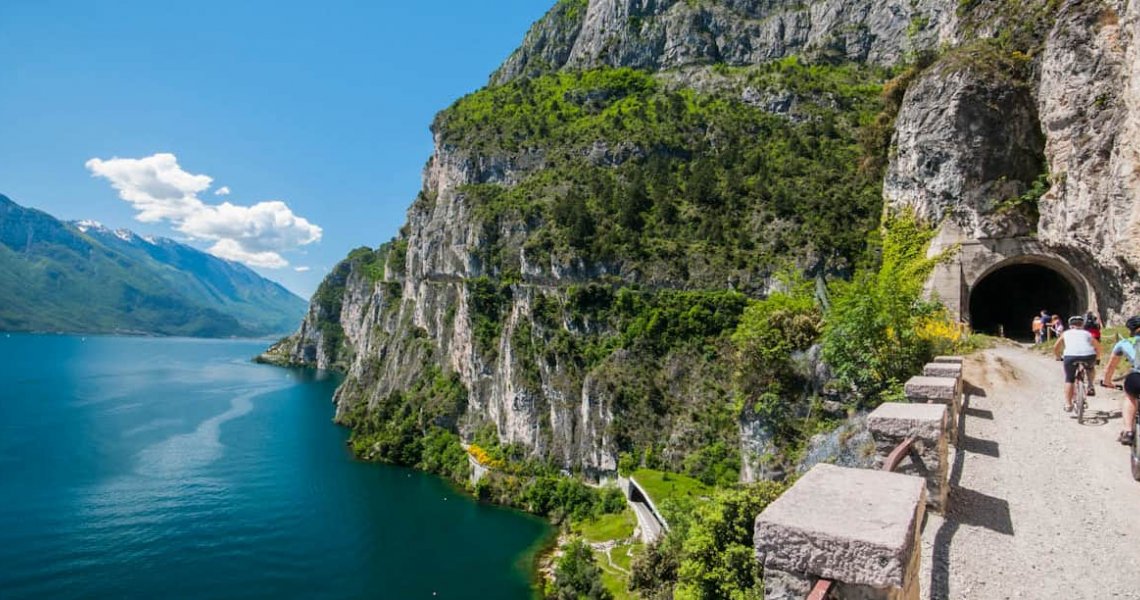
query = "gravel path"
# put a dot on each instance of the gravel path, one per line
(1040, 507)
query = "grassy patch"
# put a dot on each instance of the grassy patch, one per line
(663, 486)
(617, 526)
(615, 577)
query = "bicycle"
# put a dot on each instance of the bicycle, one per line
(1080, 391)
(1134, 451)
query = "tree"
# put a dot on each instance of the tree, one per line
(577, 575)
(718, 556)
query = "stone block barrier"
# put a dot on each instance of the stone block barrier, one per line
(859, 528)
(949, 359)
(894, 423)
(937, 369)
(923, 389)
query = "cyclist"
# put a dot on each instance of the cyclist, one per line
(1127, 348)
(1079, 347)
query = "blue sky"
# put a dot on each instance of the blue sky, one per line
(323, 106)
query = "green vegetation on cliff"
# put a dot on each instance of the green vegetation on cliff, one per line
(687, 186)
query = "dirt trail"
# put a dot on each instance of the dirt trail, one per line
(1040, 507)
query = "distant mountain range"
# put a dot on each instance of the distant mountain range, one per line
(85, 278)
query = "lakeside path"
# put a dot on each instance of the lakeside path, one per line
(1040, 507)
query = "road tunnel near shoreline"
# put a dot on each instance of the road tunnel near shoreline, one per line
(1008, 296)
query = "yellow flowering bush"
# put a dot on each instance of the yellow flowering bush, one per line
(483, 457)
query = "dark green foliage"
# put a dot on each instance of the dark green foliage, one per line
(719, 559)
(710, 554)
(770, 333)
(717, 464)
(487, 302)
(577, 575)
(414, 427)
(871, 338)
(563, 497)
(709, 176)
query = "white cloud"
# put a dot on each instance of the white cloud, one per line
(303, 269)
(161, 191)
(222, 191)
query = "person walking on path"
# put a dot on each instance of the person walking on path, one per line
(1076, 346)
(1038, 330)
(1092, 325)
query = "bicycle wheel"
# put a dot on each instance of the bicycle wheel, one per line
(1079, 391)
(1136, 449)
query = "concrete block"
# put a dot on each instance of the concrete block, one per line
(899, 420)
(931, 389)
(949, 359)
(894, 422)
(937, 369)
(939, 390)
(859, 527)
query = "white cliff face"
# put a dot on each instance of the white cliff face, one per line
(1090, 110)
(667, 34)
(966, 141)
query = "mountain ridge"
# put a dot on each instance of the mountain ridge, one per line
(83, 277)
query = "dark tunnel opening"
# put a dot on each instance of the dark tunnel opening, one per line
(1011, 296)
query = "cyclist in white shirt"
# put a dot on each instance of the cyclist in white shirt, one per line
(1079, 346)
(1127, 348)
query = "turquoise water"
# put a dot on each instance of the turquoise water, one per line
(137, 467)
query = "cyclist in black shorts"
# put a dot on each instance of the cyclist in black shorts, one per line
(1079, 346)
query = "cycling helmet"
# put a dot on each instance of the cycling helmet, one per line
(1133, 324)
(1076, 320)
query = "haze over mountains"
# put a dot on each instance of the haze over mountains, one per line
(86, 278)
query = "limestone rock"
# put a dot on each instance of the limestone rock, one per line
(1089, 101)
(967, 140)
(668, 34)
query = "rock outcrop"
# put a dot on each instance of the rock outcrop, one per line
(667, 34)
(1089, 101)
(993, 124)
(968, 143)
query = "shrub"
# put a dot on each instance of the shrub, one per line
(577, 574)
(871, 337)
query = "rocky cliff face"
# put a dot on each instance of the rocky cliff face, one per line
(1089, 98)
(992, 125)
(667, 34)
(505, 275)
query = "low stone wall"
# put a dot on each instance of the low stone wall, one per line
(861, 528)
(938, 390)
(893, 423)
(858, 527)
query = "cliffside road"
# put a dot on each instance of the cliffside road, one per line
(1040, 506)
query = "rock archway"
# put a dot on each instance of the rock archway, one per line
(1008, 296)
(1000, 284)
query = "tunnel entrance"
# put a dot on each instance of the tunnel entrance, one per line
(1011, 296)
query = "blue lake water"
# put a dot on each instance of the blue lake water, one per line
(134, 467)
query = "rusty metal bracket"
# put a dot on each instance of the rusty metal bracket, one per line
(900, 452)
(821, 590)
